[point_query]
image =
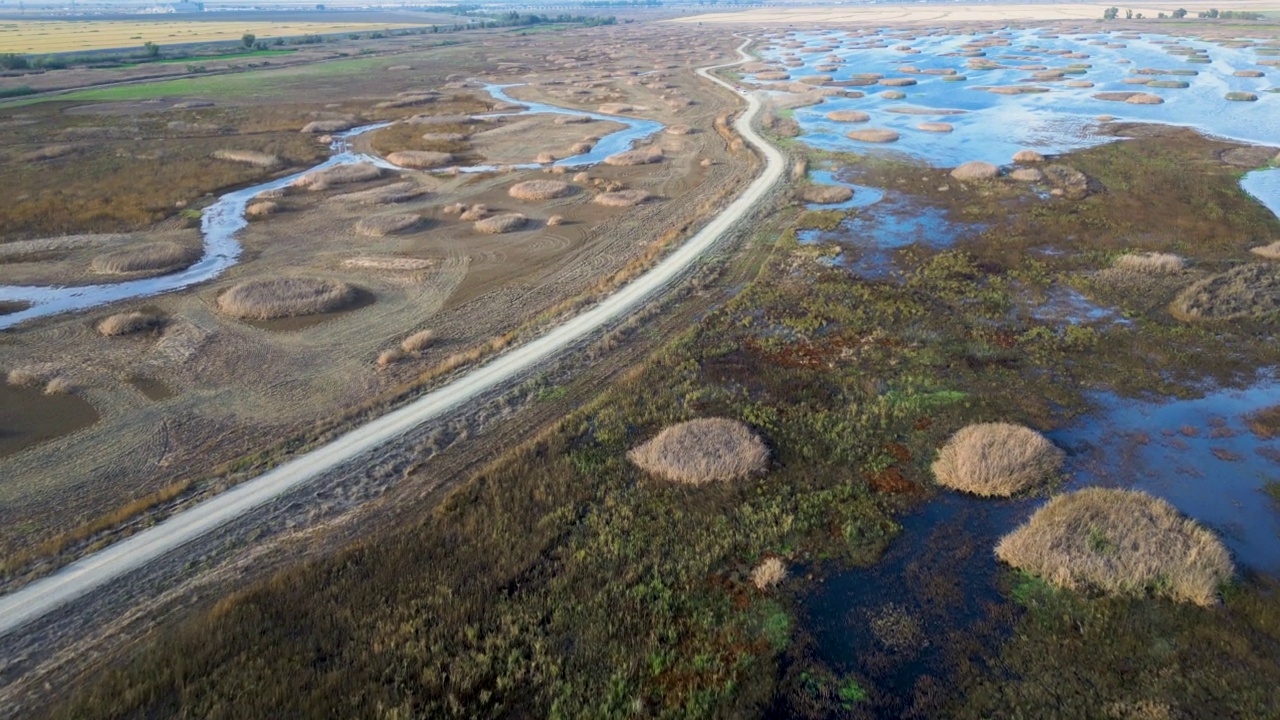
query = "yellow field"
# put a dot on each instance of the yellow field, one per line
(62, 36)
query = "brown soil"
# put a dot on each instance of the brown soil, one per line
(28, 417)
(235, 387)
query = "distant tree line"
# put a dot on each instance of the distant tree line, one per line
(1112, 13)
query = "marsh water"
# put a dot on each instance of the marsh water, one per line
(940, 579)
(225, 218)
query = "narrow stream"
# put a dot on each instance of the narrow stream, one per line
(224, 219)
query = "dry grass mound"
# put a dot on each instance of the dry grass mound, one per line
(703, 451)
(849, 116)
(996, 460)
(418, 341)
(640, 156)
(826, 194)
(328, 126)
(127, 323)
(1027, 156)
(1150, 263)
(1248, 291)
(621, 198)
(387, 195)
(498, 224)
(541, 190)
(937, 127)
(1119, 542)
(975, 170)
(1270, 251)
(247, 157)
(338, 175)
(383, 225)
(285, 297)
(262, 209)
(768, 574)
(419, 159)
(873, 135)
(145, 257)
(479, 211)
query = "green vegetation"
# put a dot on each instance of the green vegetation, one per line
(561, 581)
(1127, 658)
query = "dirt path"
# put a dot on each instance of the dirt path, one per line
(93, 571)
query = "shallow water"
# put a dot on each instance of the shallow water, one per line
(994, 126)
(941, 571)
(892, 223)
(1197, 454)
(863, 196)
(1265, 186)
(224, 219)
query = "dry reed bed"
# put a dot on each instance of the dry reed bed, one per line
(826, 194)
(128, 323)
(639, 156)
(338, 175)
(1248, 291)
(419, 159)
(541, 190)
(498, 224)
(248, 157)
(285, 297)
(1119, 542)
(1270, 251)
(768, 574)
(145, 257)
(262, 209)
(703, 451)
(997, 460)
(621, 198)
(1150, 263)
(390, 194)
(390, 263)
(383, 225)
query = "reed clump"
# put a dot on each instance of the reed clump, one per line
(145, 257)
(383, 225)
(128, 323)
(997, 460)
(541, 190)
(1120, 542)
(640, 156)
(498, 224)
(272, 298)
(621, 198)
(248, 157)
(703, 451)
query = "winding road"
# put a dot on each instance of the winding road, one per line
(92, 571)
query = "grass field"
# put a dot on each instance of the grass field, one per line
(263, 83)
(61, 36)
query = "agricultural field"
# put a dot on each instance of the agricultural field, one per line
(977, 418)
(60, 36)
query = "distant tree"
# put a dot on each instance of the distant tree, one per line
(1139, 16)
(13, 61)
(1128, 14)
(152, 49)
(1161, 16)
(1110, 13)
(1180, 13)
(248, 39)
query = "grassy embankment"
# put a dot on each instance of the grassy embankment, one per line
(563, 582)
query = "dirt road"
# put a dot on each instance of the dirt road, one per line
(90, 572)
